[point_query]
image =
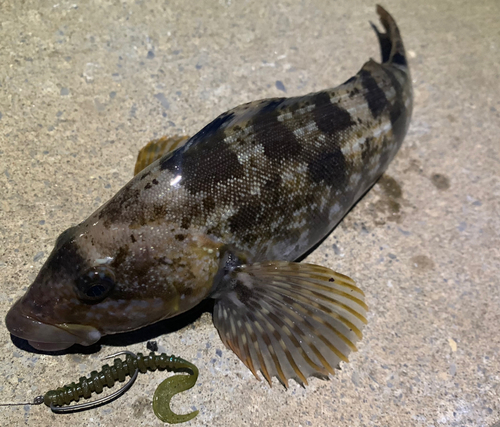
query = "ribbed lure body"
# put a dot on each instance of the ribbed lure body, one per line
(109, 375)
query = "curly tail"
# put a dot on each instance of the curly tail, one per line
(391, 43)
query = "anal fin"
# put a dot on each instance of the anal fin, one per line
(289, 320)
(156, 149)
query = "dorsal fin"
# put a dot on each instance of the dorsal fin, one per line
(157, 148)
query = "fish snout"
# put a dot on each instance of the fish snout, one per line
(47, 337)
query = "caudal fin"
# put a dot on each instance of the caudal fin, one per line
(391, 43)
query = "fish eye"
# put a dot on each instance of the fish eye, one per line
(95, 284)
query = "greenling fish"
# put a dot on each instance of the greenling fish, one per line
(223, 215)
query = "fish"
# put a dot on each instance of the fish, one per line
(224, 215)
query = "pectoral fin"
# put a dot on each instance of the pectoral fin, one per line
(157, 148)
(289, 320)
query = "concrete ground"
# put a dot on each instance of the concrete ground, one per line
(84, 85)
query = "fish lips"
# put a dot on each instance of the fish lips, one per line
(46, 337)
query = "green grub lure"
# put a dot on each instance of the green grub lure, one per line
(59, 400)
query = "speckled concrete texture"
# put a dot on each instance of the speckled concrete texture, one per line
(84, 85)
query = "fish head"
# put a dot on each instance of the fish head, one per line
(101, 280)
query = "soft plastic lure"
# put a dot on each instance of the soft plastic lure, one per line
(59, 400)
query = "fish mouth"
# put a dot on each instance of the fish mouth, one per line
(47, 337)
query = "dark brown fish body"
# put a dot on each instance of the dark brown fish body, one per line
(263, 182)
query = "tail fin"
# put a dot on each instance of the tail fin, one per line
(391, 43)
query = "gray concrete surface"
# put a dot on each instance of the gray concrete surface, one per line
(83, 85)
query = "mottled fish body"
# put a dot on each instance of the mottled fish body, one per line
(223, 215)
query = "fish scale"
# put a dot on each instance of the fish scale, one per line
(223, 215)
